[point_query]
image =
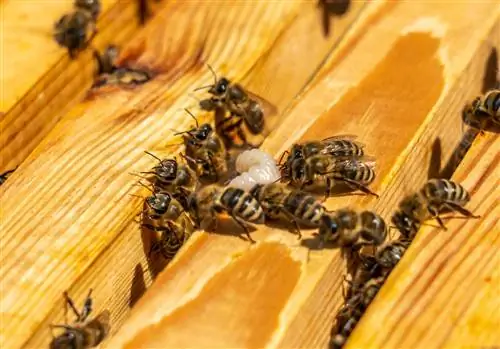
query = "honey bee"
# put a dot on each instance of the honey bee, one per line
(357, 173)
(243, 108)
(82, 334)
(337, 146)
(75, 30)
(172, 177)
(4, 176)
(205, 151)
(166, 217)
(206, 203)
(352, 311)
(483, 110)
(389, 255)
(295, 205)
(347, 228)
(106, 61)
(436, 195)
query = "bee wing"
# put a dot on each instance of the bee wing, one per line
(103, 320)
(346, 137)
(356, 161)
(270, 112)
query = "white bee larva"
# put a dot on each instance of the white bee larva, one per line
(255, 167)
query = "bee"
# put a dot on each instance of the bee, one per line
(337, 146)
(166, 217)
(172, 177)
(75, 30)
(357, 173)
(483, 110)
(123, 77)
(295, 205)
(389, 255)
(349, 315)
(206, 203)
(4, 176)
(436, 195)
(347, 228)
(205, 151)
(244, 109)
(106, 63)
(82, 334)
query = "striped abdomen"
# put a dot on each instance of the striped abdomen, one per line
(443, 190)
(344, 148)
(242, 204)
(491, 104)
(358, 171)
(304, 207)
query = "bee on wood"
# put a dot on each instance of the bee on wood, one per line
(436, 195)
(244, 109)
(211, 200)
(483, 111)
(295, 205)
(347, 228)
(75, 30)
(205, 152)
(4, 176)
(166, 217)
(83, 333)
(172, 177)
(389, 255)
(336, 146)
(357, 173)
(106, 62)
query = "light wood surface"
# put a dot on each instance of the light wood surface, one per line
(445, 292)
(398, 80)
(39, 81)
(67, 219)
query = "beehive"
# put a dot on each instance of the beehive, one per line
(394, 73)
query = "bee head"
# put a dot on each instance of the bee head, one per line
(203, 132)
(67, 340)
(159, 202)
(405, 224)
(167, 170)
(220, 87)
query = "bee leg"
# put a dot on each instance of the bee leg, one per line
(357, 185)
(435, 214)
(242, 224)
(461, 210)
(329, 186)
(69, 301)
(87, 306)
(291, 217)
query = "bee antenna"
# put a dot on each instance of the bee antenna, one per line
(148, 188)
(203, 87)
(154, 156)
(213, 73)
(192, 115)
(137, 196)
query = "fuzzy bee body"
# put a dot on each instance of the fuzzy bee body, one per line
(357, 173)
(347, 228)
(242, 108)
(205, 153)
(427, 203)
(83, 334)
(296, 206)
(336, 146)
(389, 255)
(171, 224)
(73, 30)
(207, 202)
(92, 6)
(484, 110)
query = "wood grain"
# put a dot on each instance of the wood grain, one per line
(39, 80)
(445, 291)
(400, 103)
(67, 220)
